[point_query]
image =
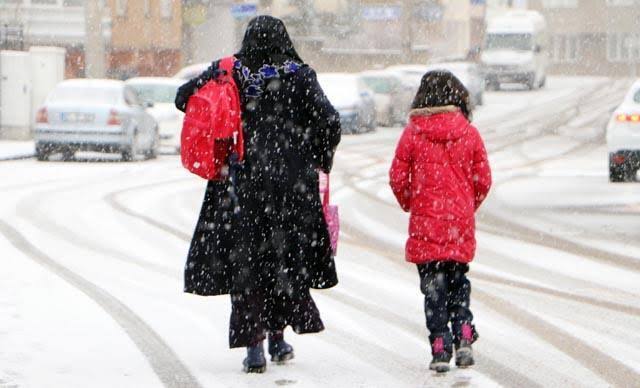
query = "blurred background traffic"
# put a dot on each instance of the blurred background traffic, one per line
(371, 55)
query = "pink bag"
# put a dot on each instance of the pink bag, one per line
(331, 214)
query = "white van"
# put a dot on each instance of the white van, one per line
(515, 49)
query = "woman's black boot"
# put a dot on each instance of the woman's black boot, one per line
(279, 350)
(255, 361)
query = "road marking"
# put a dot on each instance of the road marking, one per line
(165, 363)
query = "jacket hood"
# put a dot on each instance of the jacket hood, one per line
(442, 123)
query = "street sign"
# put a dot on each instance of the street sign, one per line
(195, 14)
(381, 12)
(244, 11)
(429, 12)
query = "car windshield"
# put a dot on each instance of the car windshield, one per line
(156, 93)
(636, 97)
(86, 94)
(379, 85)
(508, 42)
(335, 87)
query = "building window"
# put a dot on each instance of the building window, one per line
(147, 8)
(166, 9)
(73, 3)
(619, 3)
(121, 7)
(560, 3)
(623, 47)
(565, 49)
(44, 2)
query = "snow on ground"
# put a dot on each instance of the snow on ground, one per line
(546, 316)
(16, 149)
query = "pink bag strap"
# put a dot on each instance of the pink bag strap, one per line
(325, 200)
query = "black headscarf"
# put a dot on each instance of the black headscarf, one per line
(266, 41)
(441, 88)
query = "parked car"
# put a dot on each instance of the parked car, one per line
(623, 138)
(390, 96)
(411, 75)
(470, 74)
(191, 71)
(161, 91)
(352, 99)
(516, 49)
(94, 115)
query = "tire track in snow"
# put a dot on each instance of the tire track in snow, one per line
(492, 368)
(612, 257)
(592, 358)
(29, 209)
(165, 363)
(367, 351)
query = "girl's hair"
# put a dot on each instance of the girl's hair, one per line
(440, 88)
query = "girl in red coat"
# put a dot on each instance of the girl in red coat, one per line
(441, 175)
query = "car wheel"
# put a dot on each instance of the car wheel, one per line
(68, 154)
(390, 117)
(531, 82)
(127, 156)
(617, 175)
(152, 152)
(543, 82)
(42, 152)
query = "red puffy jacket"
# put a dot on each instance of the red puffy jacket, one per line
(440, 174)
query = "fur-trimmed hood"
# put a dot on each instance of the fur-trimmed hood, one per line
(432, 110)
(440, 123)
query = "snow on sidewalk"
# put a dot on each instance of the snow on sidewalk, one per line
(52, 335)
(16, 149)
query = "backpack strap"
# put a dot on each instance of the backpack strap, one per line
(227, 64)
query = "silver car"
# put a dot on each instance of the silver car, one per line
(191, 71)
(94, 115)
(392, 97)
(161, 91)
(469, 73)
(352, 99)
(471, 76)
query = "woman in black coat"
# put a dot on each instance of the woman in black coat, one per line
(275, 246)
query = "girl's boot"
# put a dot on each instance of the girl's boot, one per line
(441, 355)
(279, 350)
(255, 361)
(464, 353)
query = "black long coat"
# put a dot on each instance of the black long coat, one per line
(290, 133)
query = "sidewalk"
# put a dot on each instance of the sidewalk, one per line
(16, 149)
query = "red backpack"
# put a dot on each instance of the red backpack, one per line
(212, 127)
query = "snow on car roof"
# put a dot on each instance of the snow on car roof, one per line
(154, 80)
(191, 71)
(93, 82)
(378, 73)
(408, 68)
(338, 77)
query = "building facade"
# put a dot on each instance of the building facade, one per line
(140, 37)
(58, 23)
(146, 38)
(351, 35)
(597, 37)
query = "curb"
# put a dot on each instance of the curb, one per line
(16, 157)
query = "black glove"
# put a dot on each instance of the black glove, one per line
(188, 89)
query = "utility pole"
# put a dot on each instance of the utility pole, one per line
(94, 61)
(407, 29)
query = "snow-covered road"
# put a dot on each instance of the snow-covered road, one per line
(92, 256)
